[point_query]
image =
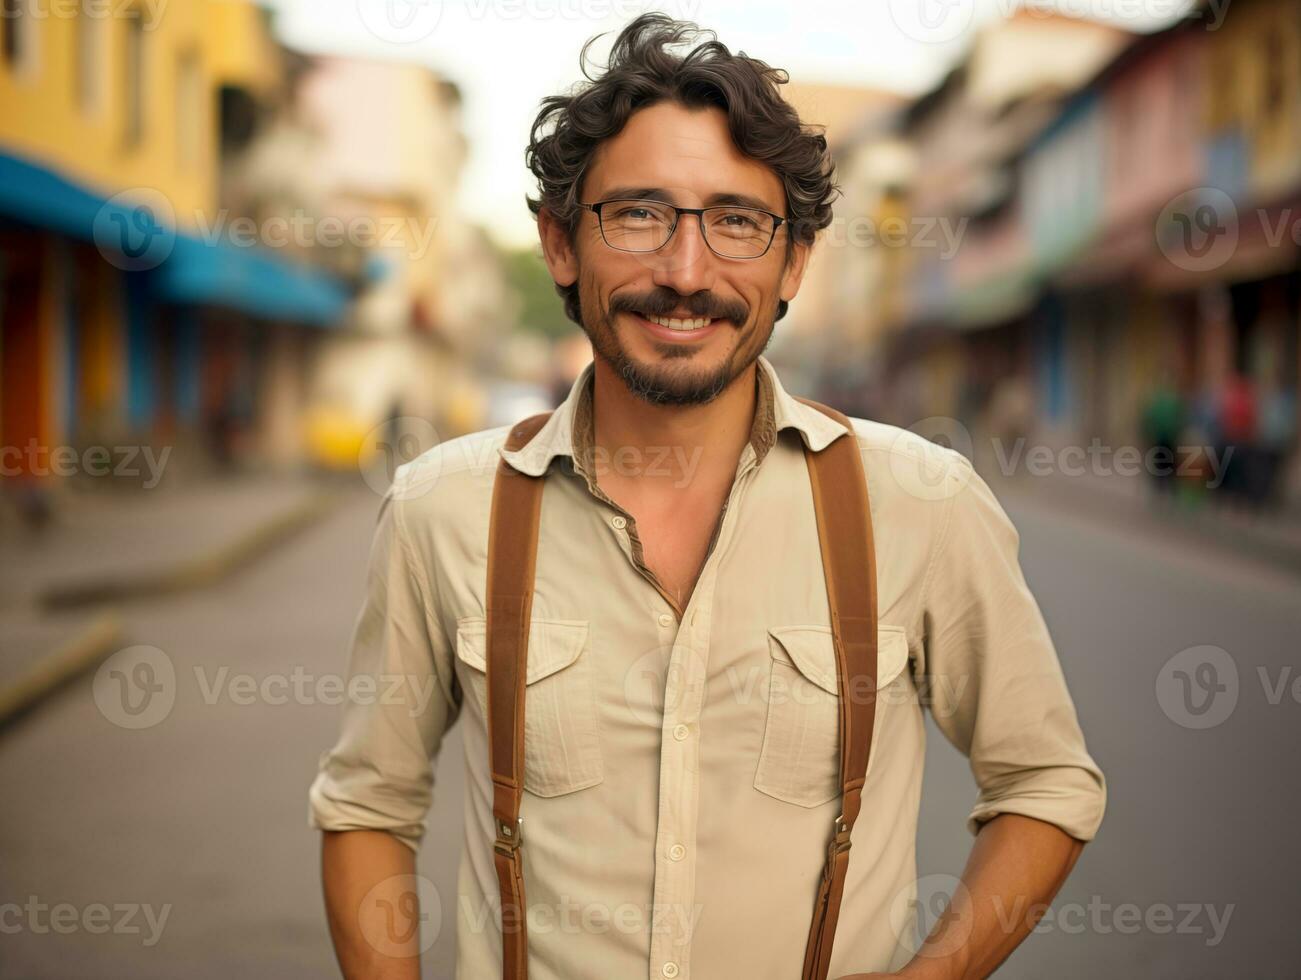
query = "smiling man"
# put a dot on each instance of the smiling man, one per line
(681, 772)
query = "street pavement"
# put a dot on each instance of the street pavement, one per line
(192, 831)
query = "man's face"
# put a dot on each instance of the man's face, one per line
(684, 157)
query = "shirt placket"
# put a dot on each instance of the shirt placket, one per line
(673, 913)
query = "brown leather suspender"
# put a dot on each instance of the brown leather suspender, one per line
(512, 554)
(849, 565)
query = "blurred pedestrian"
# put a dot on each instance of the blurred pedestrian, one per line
(1275, 438)
(1163, 418)
(1237, 437)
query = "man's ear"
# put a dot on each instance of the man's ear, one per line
(793, 273)
(557, 249)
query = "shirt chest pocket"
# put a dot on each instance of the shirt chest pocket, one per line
(562, 736)
(799, 761)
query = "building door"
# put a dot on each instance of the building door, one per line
(22, 363)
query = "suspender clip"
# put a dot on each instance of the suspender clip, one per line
(508, 837)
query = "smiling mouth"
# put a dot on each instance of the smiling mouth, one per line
(683, 325)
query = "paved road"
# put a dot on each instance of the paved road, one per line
(202, 816)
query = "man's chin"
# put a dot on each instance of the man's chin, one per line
(672, 381)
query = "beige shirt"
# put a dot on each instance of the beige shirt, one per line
(681, 764)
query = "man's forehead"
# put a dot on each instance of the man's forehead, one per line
(683, 152)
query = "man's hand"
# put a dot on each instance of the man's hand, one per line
(1016, 867)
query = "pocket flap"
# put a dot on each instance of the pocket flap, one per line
(811, 651)
(553, 644)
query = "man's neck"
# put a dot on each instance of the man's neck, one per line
(670, 444)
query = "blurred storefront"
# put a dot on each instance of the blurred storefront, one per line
(208, 241)
(1125, 212)
(128, 314)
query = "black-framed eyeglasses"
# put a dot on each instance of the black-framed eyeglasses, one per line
(637, 225)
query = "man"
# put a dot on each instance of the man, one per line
(681, 755)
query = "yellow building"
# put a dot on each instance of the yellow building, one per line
(1254, 92)
(114, 122)
(120, 96)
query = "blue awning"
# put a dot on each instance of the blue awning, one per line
(250, 281)
(186, 270)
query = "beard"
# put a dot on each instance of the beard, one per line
(672, 379)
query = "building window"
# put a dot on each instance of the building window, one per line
(133, 65)
(89, 64)
(189, 109)
(1275, 95)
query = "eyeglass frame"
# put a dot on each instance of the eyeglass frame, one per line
(595, 208)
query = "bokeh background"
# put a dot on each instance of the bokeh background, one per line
(253, 257)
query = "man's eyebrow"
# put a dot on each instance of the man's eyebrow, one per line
(638, 193)
(740, 201)
(660, 194)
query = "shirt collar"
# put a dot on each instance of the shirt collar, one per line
(569, 430)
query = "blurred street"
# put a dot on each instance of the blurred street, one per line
(202, 816)
(256, 254)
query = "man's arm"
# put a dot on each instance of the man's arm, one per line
(998, 694)
(1016, 866)
(371, 904)
(374, 787)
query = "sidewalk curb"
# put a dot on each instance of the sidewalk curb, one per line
(52, 671)
(1194, 527)
(194, 573)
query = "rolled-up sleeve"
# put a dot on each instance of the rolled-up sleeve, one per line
(397, 707)
(997, 690)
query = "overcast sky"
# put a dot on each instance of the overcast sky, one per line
(506, 55)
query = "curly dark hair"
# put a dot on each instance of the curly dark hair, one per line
(643, 70)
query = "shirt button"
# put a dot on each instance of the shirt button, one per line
(619, 521)
(677, 852)
(669, 969)
(666, 619)
(680, 732)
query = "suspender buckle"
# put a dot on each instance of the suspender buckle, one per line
(840, 839)
(508, 837)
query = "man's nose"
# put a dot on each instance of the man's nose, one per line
(685, 264)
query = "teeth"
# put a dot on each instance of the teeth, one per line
(676, 324)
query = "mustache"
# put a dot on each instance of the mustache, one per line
(663, 301)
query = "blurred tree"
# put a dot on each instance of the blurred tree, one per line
(541, 309)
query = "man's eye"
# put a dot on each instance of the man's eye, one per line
(740, 221)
